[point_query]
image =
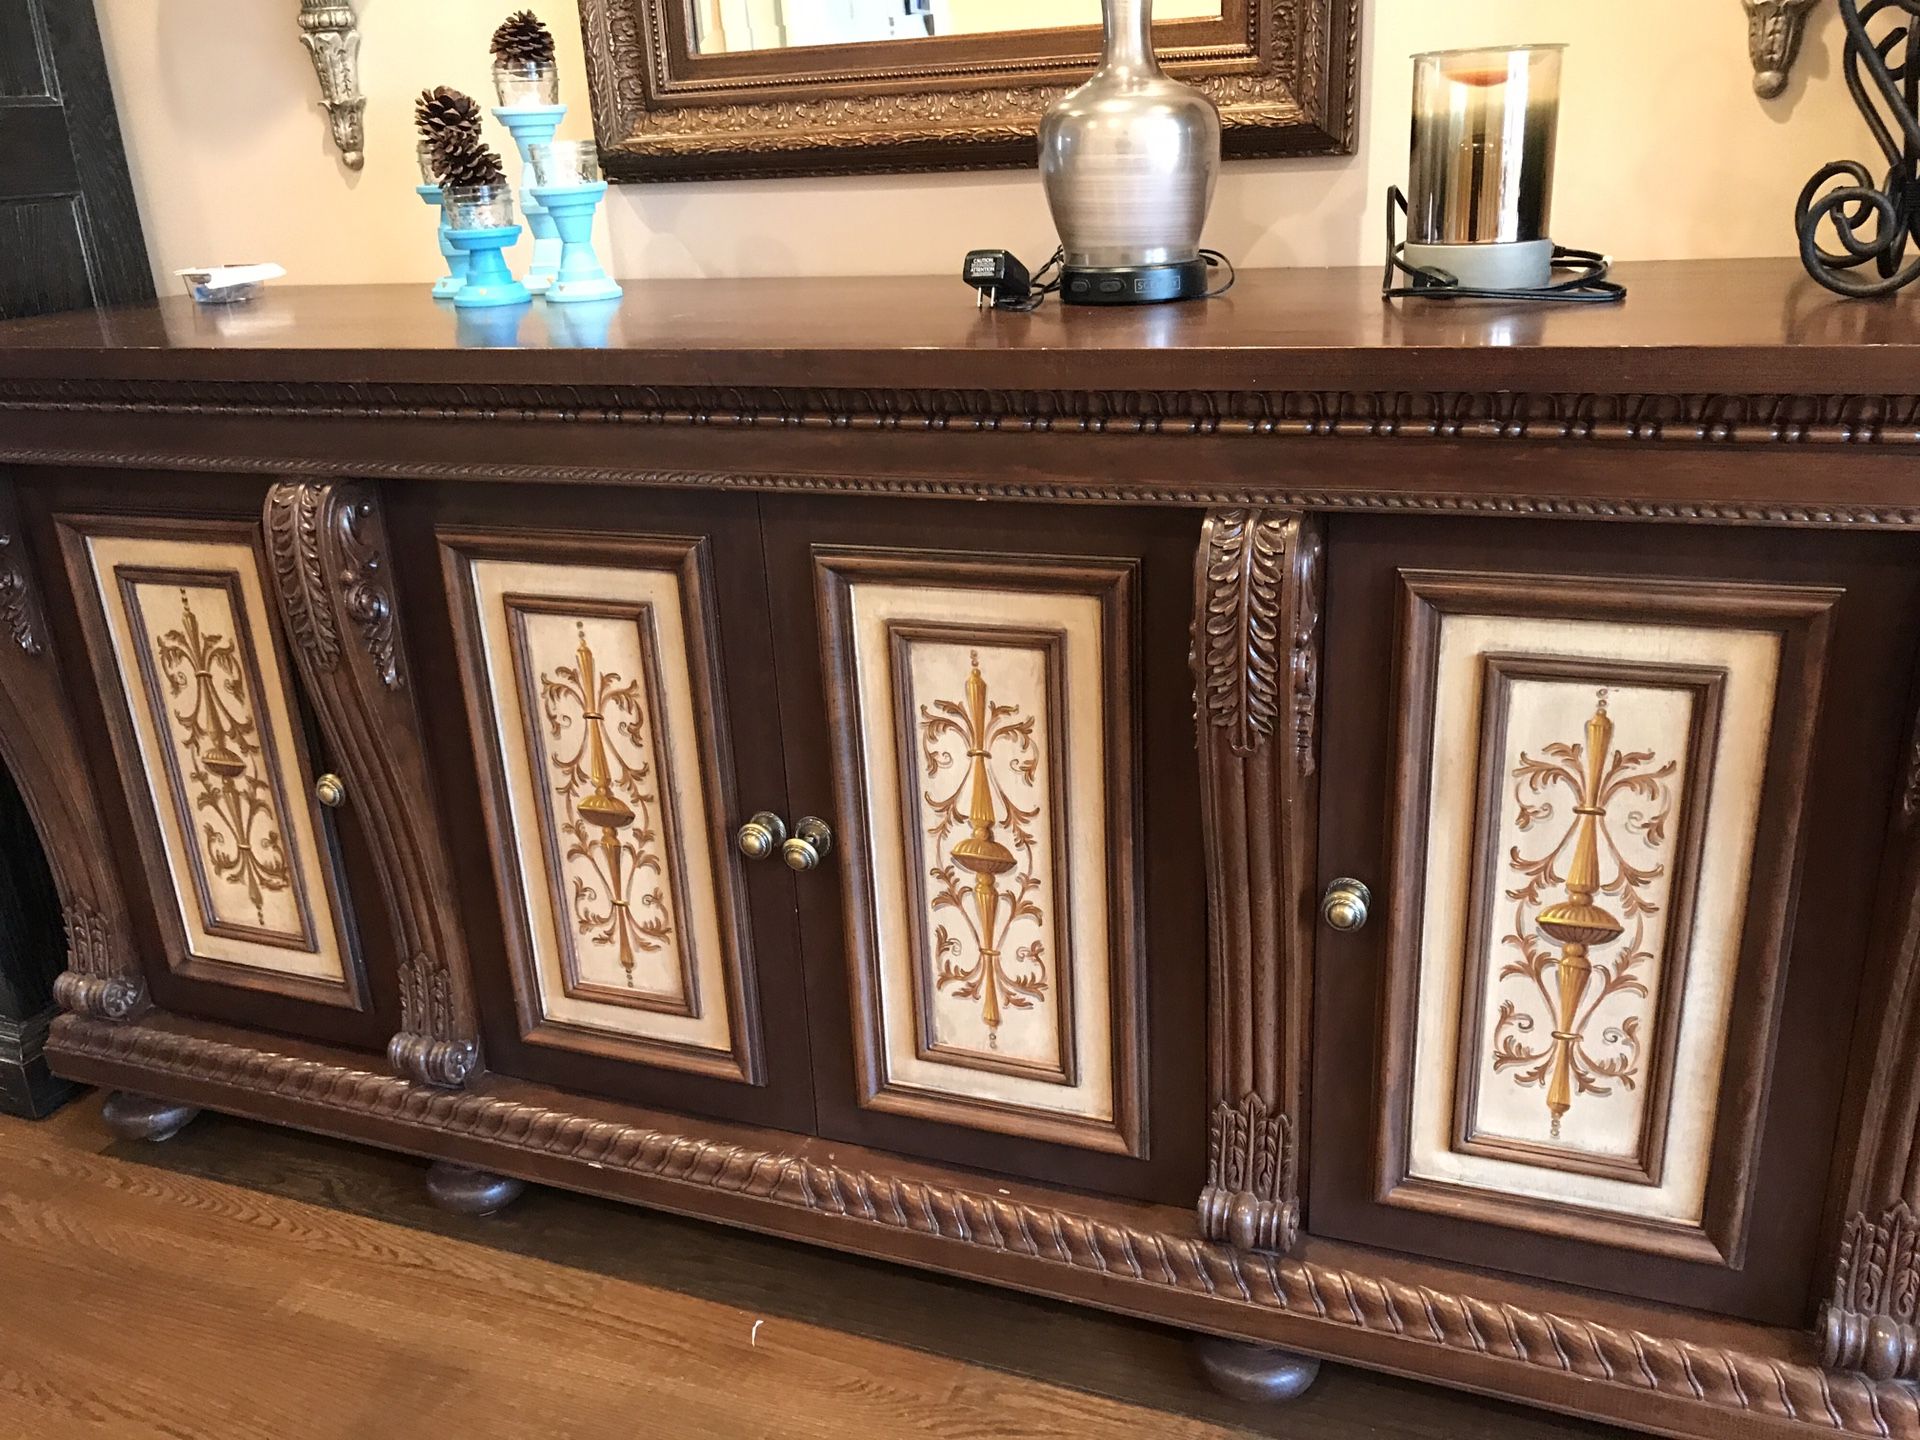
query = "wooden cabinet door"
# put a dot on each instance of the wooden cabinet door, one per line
(612, 664)
(1619, 794)
(253, 881)
(990, 707)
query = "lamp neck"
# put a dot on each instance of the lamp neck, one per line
(1129, 27)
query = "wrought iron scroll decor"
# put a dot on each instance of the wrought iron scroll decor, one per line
(1872, 223)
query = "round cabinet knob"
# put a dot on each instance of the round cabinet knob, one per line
(330, 790)
(1344, 906)
(761, 835)
(809, 845)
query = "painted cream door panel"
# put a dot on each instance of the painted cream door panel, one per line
(587, 677)
(987, 751)
(206, 696)
(1584, 897)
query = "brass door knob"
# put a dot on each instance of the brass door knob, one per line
(330, 790)
(761, 835)
(1345, 904)
(809, 845)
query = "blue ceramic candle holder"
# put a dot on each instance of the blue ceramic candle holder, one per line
(532, 125)
(448, 285)
(580, 276)
(480, 225)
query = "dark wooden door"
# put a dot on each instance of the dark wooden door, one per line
(991, 709)
(69, 233)
(1620, 795)
(255, 900)
(603, 723)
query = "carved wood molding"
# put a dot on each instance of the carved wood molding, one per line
(1256, 653)
(1357, 500)
(1870, 1323)
(1731, 1381)
(328, 552)
(1494, 415)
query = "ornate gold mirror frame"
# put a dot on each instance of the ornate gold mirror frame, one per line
(1281, 71)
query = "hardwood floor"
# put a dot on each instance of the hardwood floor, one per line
(241, 1281)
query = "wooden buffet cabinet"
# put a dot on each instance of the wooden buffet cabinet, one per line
(1379, 832)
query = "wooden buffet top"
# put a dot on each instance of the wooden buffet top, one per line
(1738, 327)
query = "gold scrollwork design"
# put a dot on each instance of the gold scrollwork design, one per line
(999, 748)
(616, 804)
(241, 834)
(1571, 1062)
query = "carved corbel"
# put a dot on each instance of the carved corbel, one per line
(1871, 1323)
(1256, 656)
(102, 978)
(329, 552)
(1774, 31)
(332, 37)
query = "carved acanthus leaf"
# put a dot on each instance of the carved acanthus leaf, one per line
(1872, 1324)
(99, 980)
(428, 1047)
(294, 510)
(309, 563)
(19, 606)
(1239, 647)
(1250, 1199)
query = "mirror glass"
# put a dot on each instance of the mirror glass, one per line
(724, 26)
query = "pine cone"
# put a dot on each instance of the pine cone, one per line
(462, 159)
(523, 40)
(443, 111)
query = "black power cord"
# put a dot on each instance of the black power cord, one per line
(1586, 272)
(1001, 282)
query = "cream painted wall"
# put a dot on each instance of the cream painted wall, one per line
(1664, 149)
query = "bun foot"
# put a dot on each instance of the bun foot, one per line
(141, 1117)
(1252, 1372)
(470, 1192)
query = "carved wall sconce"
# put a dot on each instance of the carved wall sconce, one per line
(332, 37)
(1774, 28)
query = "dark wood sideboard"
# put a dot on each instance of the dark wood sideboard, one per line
(1389, 833)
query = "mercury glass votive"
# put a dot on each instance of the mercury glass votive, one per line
(526, 82)
(480, 224)
(478, 207)
(1480, 177)
(565, 162)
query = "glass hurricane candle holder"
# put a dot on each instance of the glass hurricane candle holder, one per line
(568, 188)
(1480, 177)
(526, 82)
(480, 224)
